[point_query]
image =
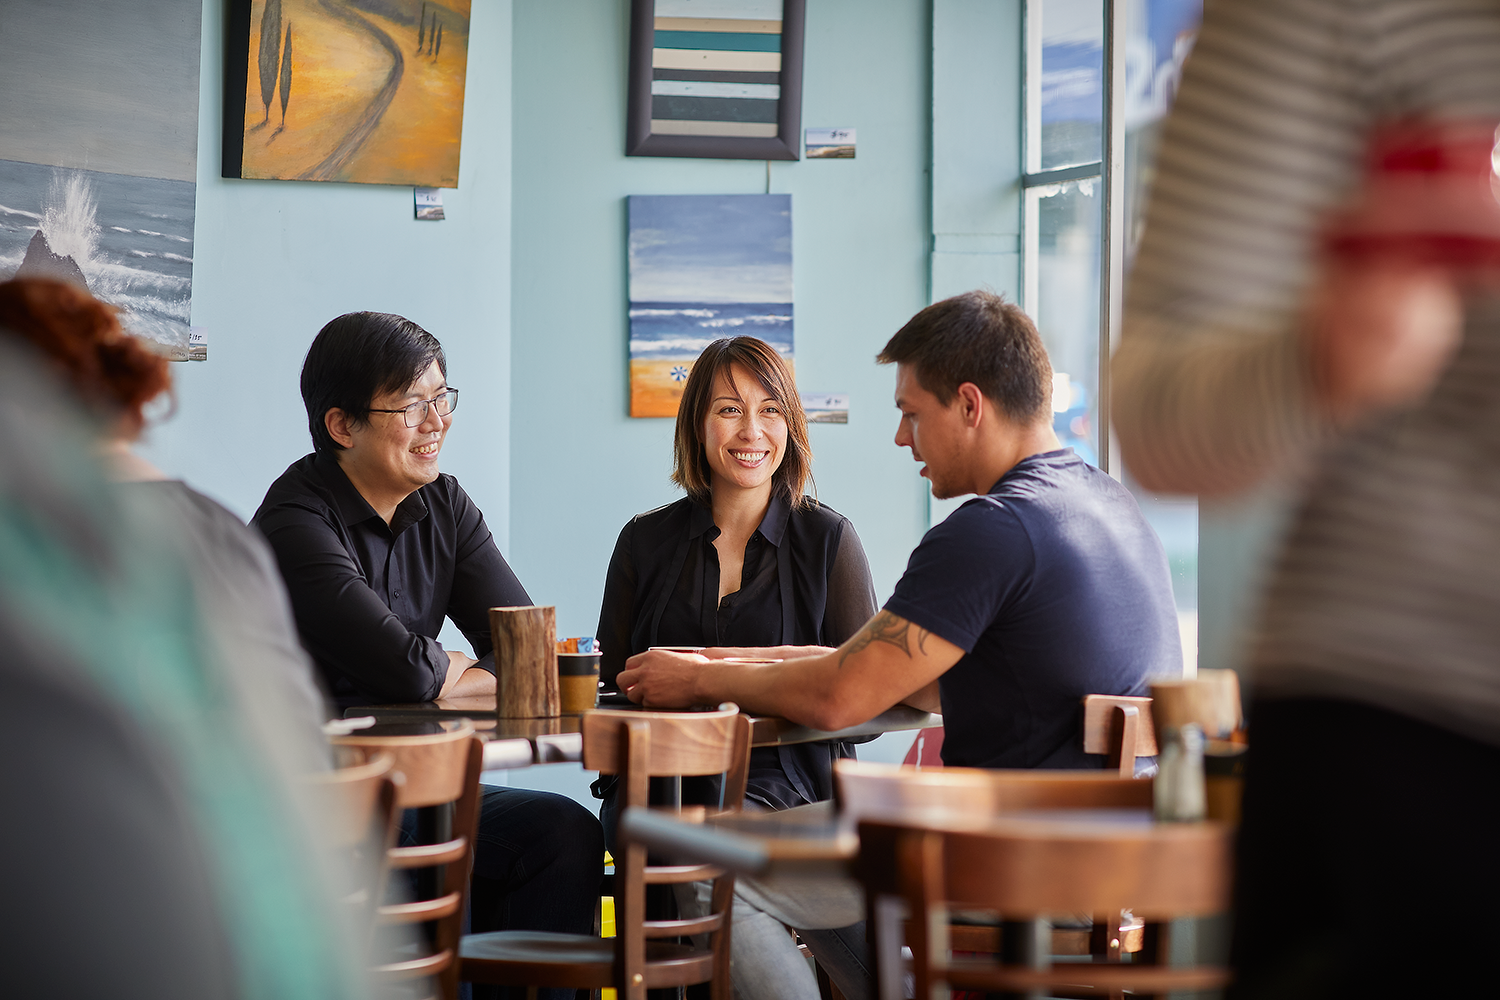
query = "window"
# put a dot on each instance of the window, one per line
(1071, 271)
(1064, 147)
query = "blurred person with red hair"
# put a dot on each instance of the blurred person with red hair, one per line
(155, 710)
(115, 377)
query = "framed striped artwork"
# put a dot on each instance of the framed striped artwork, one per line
(716, 78)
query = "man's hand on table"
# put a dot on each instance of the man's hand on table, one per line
(465, 680)
(662, 679)
(659, 679)
(888, 661)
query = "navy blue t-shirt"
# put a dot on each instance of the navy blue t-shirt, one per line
(1055, 587)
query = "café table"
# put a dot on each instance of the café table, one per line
(558, 739)
(807, 840)
(816, 840)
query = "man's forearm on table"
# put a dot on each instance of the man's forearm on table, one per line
(806, 691)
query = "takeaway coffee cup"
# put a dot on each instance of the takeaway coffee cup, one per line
(578, 681)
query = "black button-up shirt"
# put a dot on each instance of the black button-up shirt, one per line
(370, 598)
(805, 581)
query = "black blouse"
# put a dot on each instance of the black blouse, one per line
(805, 581)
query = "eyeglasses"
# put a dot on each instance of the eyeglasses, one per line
(416, 414)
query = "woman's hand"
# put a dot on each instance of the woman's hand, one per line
(765, 652)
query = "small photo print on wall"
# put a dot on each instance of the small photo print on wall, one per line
(826, 407)
(830, 143)
(428, 203)
(703, 267)
(364, 91)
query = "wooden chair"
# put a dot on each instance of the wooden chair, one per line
(1028, 870)
(638, 746)
(440, 771)
(873, 791)
(357, 806)
(1119, 727)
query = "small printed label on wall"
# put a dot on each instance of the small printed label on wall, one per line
(197, 343)
(826, 407)
(830, 143)
(429, 203)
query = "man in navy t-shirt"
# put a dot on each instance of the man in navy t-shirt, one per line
(1054, 587)
(1047, 587)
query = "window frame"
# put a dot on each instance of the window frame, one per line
(1109, 170)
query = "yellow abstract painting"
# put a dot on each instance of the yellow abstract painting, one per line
(364, 91)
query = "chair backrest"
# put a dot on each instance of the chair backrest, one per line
(682, 743)
(355, 798)
(1119, 727)
(866, 789)
(357, 809)
(639, 746)
(439, 770)
(1027, 870)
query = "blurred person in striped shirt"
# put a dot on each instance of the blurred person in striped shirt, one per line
(1315, 302)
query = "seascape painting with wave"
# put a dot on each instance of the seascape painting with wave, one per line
(703, 267)
(99, 154)
(129, 240)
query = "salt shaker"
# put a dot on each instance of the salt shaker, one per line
(1178, 796)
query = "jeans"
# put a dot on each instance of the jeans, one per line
(538, 862)
(764, 961)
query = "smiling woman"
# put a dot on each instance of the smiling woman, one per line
(741, 397)
(745, 559)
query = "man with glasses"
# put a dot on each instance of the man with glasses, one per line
(377, 548)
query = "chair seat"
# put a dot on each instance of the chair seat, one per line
(547, 958)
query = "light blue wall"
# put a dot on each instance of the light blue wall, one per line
(580, 466)
(275, 260)
(976, 146)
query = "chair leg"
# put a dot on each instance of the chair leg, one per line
(1026, 943)
(885, 917)
(1156, 949)
(722, 901)
(1105, 942)
(1105, 938)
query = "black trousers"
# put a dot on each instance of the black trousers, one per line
(1369, 858)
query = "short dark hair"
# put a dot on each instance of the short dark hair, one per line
(689, 458)
(981, 338)
(355, 358)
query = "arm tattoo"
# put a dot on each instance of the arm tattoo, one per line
(885, 627)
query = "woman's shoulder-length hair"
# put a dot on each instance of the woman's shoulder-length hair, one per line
(690, 460)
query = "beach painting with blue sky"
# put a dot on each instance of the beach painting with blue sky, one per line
(703, 267)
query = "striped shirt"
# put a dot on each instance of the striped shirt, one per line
(1388, 588)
